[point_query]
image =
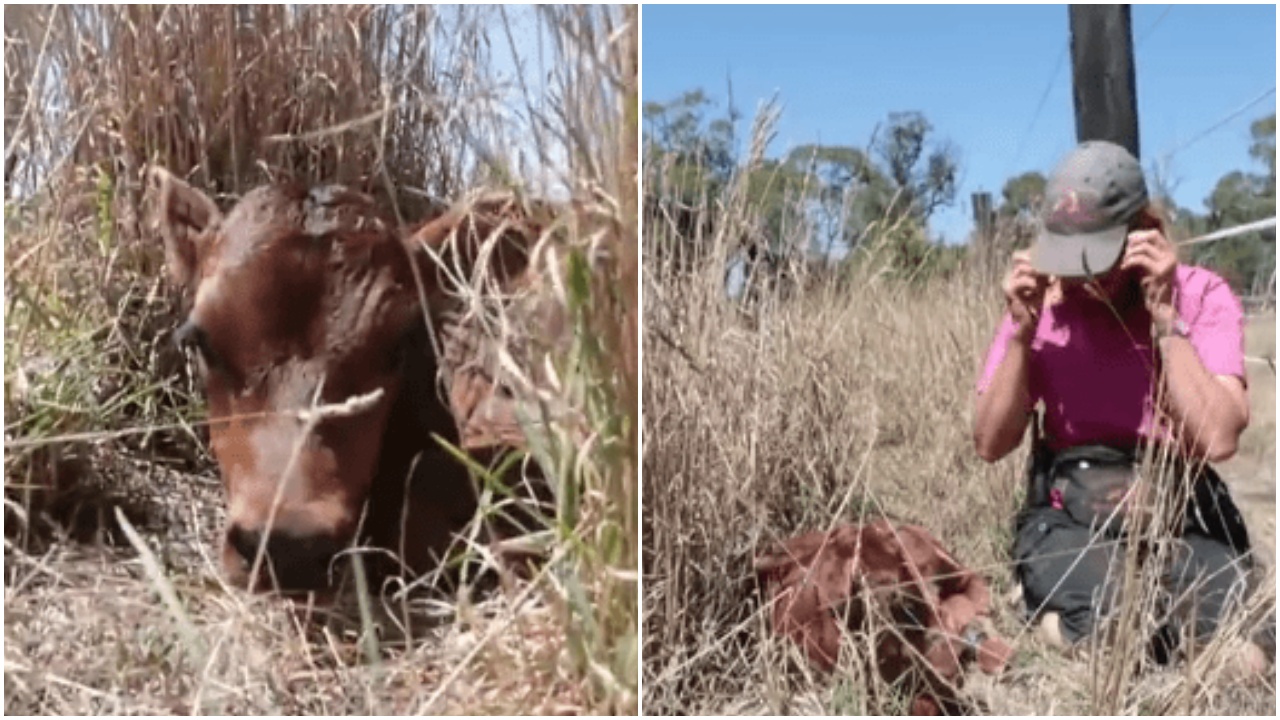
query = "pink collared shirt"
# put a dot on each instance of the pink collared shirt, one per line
(1096, 373)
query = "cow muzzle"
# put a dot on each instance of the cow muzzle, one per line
(280, 559)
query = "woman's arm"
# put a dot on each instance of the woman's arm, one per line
(1002, 412)
(1004, 405)
(1208, 410)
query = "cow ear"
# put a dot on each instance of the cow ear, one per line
(183, 214)
(452, 247)
(427, 246)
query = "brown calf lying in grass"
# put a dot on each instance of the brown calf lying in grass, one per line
(321, 329)
(933, 607)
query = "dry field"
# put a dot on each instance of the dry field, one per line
(1252, 472)
(113, 601)
(846, 402)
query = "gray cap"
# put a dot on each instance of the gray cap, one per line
(1089, 200)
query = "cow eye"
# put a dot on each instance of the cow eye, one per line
(192, 337)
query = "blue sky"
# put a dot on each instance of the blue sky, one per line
(978, 74)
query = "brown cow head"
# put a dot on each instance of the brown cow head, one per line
(297, 298)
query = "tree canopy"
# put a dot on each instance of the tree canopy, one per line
(833, 199)
(835, 196)
(1248, 261)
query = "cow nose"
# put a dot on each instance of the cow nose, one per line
(296, 562)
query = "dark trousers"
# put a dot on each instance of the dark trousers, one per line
(1067, 568)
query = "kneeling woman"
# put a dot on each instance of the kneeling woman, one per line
(1130, 353)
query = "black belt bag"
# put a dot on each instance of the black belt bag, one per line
(1212, 512)
(1091, 483)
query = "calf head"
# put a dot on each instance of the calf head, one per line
(301, 298)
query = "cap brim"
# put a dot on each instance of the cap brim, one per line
(1078, 256)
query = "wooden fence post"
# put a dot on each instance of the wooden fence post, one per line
(1103, 84)
(984, 231)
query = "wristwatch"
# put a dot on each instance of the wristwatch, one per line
(1178, 328)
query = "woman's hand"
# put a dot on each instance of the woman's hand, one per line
(1024, 291)
(1154, 256)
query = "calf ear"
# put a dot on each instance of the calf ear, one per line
(453, 247)
(183, 213)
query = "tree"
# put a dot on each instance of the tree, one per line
(1014, 225)
(1263, 148)
(855, 195)
(839, 183)
(697, 154)
(923, 173)
(690, 157)
(1022, 195)
(775, 193)
(818, 196)
(1246, 261)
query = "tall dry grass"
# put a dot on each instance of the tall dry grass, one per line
(373, 97)
(111, 614)
(770, 414)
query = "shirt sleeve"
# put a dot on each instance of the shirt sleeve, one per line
(1216, 328)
